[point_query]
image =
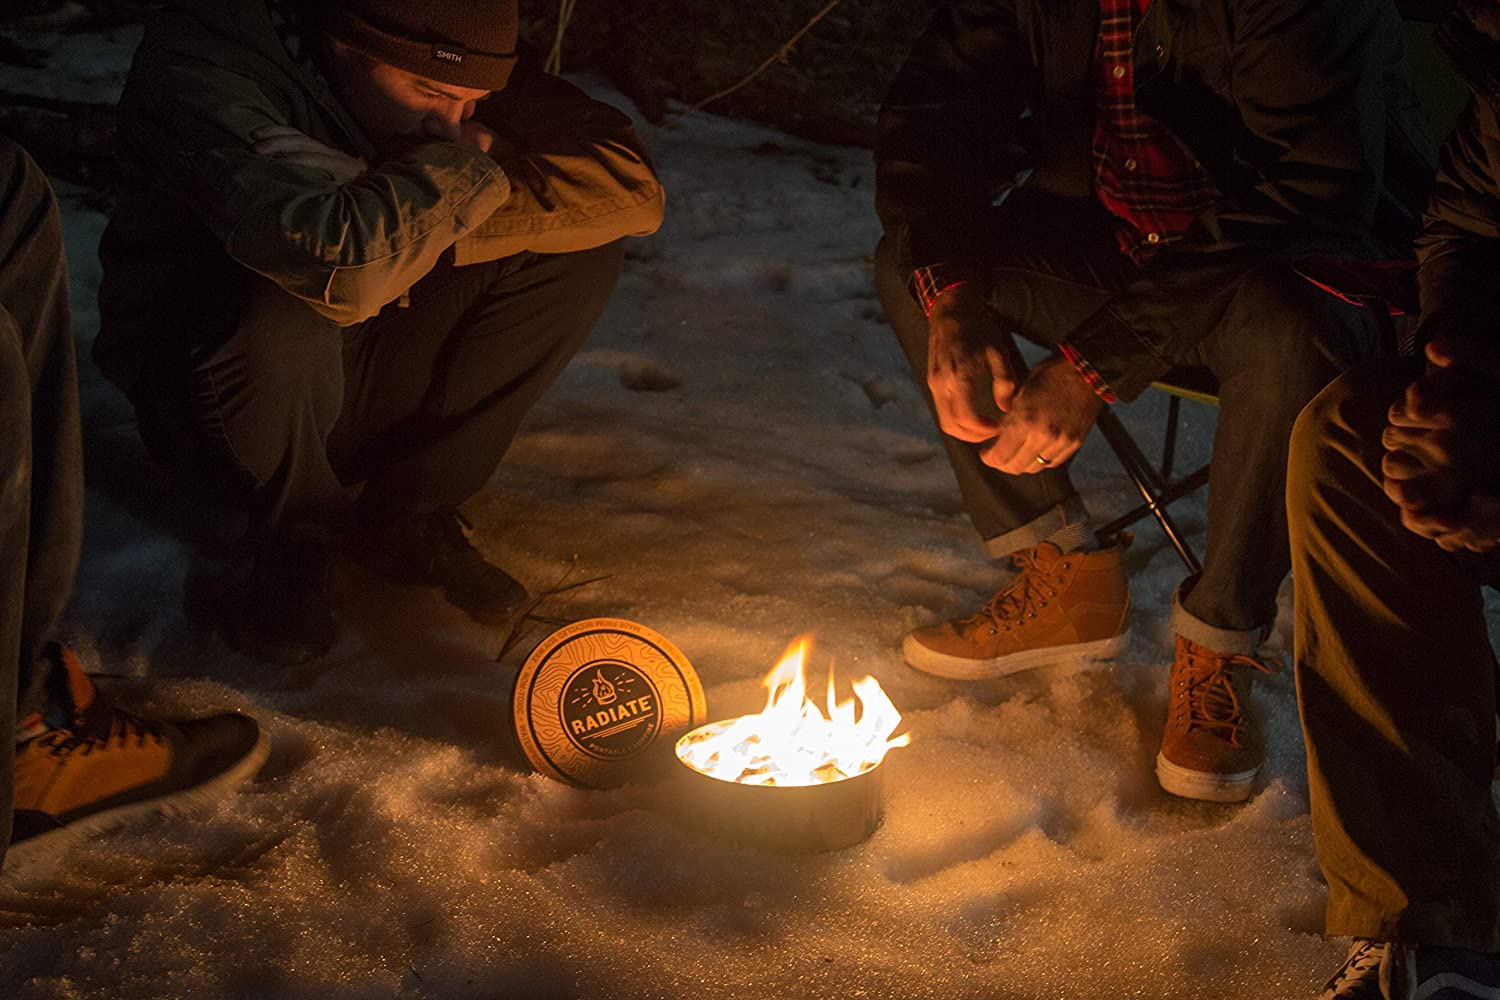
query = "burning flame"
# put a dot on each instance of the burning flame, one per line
(793, 741)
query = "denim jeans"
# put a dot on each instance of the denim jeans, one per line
(1396, 684)
(41, 454)
(1279, 341)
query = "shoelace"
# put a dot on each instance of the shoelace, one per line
(1209, 695)
(88, 735)
(1353, 979)
(1023, 596)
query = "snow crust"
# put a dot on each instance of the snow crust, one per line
(741, 448)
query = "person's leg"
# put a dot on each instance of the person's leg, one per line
(436, 392)
(41, 499)
(246, 420)
(1279, 341)
(437, 389)
(76, 764)
(1065, 600)
(1396, 684)
(1042, 289)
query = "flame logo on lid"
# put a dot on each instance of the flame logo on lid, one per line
(604, 691)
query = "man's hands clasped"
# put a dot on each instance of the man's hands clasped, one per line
(1032, 424)
(1442, 444)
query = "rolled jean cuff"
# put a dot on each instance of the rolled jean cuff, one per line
(1229, 641)
(1066, 514)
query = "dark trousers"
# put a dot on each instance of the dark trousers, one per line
(1277, 343)
(302, 422)
(41, 454)
(1396, 684)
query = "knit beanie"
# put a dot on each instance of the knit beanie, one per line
(463, 43)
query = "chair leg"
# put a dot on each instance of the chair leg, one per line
(1152, 490)
(1169, 442)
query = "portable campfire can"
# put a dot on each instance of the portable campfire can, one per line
(790, 819)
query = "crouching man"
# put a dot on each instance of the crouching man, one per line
(355, 242)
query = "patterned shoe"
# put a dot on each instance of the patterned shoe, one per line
(1058, 607)
(107, 767)
(1379, 971)
(1211, 749)
(1374, 970)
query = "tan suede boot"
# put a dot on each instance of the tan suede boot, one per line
(1211, 749)
(1058, 607)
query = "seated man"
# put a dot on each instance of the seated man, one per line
(79, 764)
(1179, 161)
(355, 242)
(1395, 671)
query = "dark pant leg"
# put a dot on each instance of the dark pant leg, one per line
(437, 391)
(1396, 684)
(41, 454)
(246, 421)
(1041, 290)
(1279, 342)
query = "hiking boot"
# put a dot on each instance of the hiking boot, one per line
(1058, 607)
(434, 549)
(104, 767)
(282, 613)
(1211, 749)
(1376, 970)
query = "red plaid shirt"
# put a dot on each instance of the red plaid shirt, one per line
(1142, 173)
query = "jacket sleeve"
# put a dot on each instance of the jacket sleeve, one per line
(948, 138)
(1311, 85)
(347, 250)
(1459, 248)
(580, 177)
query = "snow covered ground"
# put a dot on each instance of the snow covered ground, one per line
(741, 447)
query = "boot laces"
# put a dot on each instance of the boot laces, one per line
(113, 727)
(1020, 599)
(1364, 962)
(1210, 694)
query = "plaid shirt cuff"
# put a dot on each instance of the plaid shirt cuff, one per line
(1093, 378)
(30, 727)
(928, 283)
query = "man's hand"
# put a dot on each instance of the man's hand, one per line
(1440, 466)
(466, 132)
(1476, 527)
(970, 379)
(286, 143)
(1049, 418)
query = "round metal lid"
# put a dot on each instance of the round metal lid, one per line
(601, 701)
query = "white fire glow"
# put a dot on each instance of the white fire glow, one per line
(793, 741)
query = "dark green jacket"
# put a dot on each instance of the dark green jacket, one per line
(1300, 110)
(199, 211)
(1459, 248)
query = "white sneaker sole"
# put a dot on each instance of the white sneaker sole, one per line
(958, 668)
(37, 858)
(1205, 786)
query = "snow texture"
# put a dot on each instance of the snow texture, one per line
(741, 447)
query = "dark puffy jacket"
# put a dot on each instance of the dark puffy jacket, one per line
(1300, 110)
(1460, 243)
(200, 212)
